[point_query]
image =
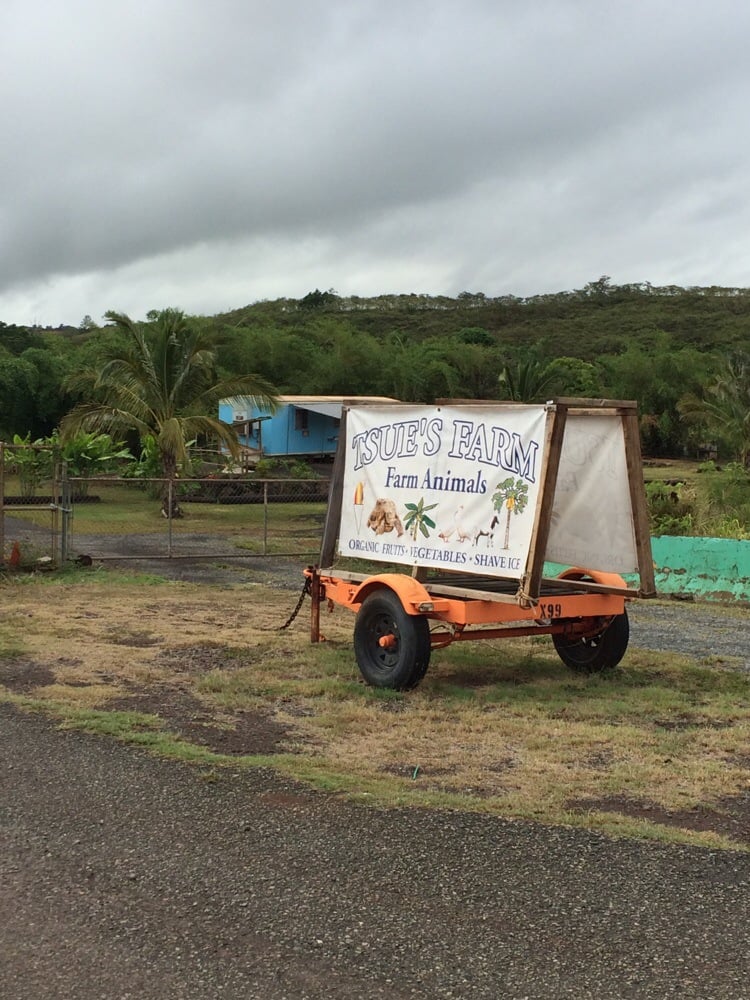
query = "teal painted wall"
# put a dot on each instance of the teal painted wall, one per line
(712, 569)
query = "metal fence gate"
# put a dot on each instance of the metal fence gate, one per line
(51, 519)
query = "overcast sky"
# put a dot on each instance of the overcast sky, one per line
(206, 154)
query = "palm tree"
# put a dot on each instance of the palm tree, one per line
(417, 518)
(724, 408)
(512, 495)
(529, 381)
(163, 384)
(532, 380)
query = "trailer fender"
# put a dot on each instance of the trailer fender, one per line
(595, 575)
(409, 591)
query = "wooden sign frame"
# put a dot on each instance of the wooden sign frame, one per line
(558, 410)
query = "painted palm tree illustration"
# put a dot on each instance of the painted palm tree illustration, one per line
(512, 496)
(417, 520)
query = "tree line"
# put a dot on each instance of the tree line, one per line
(681, 353)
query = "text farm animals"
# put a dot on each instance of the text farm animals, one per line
(384, 518)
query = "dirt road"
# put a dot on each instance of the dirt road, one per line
(124, 876)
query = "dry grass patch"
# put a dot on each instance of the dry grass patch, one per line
(658, 748)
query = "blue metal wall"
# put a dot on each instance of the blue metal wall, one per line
(280, 434)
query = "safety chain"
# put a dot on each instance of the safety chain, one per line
(306, 589)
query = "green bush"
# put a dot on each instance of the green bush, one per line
(715, 504)
(32, 461)
(276, 468)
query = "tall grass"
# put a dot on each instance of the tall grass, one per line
(712, 502)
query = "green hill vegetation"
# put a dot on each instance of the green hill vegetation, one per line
(662, 346)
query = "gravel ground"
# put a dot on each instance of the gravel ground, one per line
(125, 876)
(703, 631)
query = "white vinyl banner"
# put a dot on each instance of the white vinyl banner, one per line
(452, 487)
(592, 516)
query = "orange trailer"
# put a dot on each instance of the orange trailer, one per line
(401, 616)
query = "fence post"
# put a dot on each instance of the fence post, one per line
(170, 512)
(2, 503)
(66, 514)
(54, 510)
(265, 517)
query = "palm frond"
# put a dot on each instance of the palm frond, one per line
(164, 385)
(99, 418)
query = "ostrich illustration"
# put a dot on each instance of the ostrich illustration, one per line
(463, 534)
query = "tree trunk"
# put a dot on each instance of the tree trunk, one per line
(170, 508)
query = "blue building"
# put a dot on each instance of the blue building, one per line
(302, 426)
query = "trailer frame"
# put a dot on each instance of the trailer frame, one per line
(582, 609)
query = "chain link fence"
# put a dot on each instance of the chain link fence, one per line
(30, 506)
(235, 518)
(50, 519)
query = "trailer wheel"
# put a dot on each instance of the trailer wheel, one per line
(392, 647)
(597, 652)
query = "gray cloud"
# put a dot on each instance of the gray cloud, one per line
(209, 155)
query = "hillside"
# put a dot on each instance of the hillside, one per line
(652, 344)
(600, 318)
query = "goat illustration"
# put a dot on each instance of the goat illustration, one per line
(488, 533)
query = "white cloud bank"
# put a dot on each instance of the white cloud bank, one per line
(209, 155)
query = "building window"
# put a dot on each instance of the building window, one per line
(300, 420)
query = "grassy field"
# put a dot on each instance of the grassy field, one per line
(657, 749)
(678, 469)
(123, 510)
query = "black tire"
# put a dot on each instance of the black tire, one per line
(598, 652)
(402, 665)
